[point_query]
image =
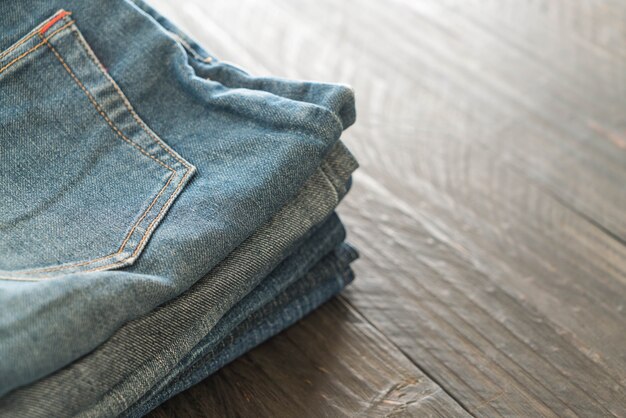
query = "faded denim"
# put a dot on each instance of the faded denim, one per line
(143, 350)
(126, 174)
(235, 335)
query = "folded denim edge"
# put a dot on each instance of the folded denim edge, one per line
(335, 260)
(341, 106)
(293, 304)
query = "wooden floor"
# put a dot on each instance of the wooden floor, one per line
(490, 208)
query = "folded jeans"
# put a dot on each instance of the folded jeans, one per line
(142, 174)
(227, 342)
(121, 364)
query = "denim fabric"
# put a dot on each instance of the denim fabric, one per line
(126, 174)
(164, 336)
(232, 338)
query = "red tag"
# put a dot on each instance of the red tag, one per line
(60, 15)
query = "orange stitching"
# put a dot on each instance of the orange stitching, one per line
(51, 22)
(33, 48)
(21, 41)
(60, 29)
(164, 207)
(125, 100)
(145, 213)
(15, 46)
(56, 31)
(20, 57)
(137, 249)
(99, 109)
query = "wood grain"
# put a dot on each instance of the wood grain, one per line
(490, 209)
(346, 368)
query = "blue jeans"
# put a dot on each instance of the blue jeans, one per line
(144, 352)
(128, 173)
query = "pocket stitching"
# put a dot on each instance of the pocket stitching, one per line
(119, 133)
(189, 168)
(33, 49)
(18, 44)
(98, 107)
(149, 229)
(145, 129)
(27, 37)
(125, 100)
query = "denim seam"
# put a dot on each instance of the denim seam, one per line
(323, 167)
(125, 100)
(196, 51)
(188, 48)
(99, 108)
(149, 229)
(17, 44)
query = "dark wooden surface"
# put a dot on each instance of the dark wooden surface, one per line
(490, 209)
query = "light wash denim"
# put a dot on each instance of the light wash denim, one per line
(234, 335)
(144, 350)
(126, 174)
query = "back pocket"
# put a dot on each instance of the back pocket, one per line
(83, 181)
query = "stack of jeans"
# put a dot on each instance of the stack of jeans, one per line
(161, 212)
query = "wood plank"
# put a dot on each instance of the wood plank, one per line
(490, 204)
(472, 331)
(332, 363)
